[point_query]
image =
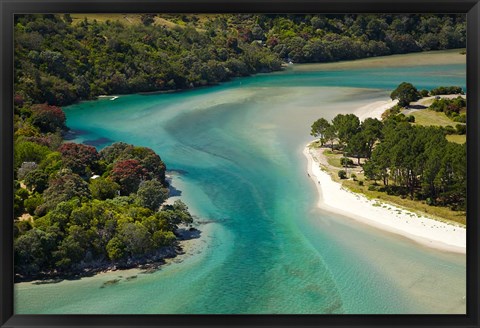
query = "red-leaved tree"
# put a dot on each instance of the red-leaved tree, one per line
(18, 100)
(48, 118)
(81, 159)
(151, 162)
(128, 174)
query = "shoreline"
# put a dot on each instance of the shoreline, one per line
(436, 57)
(423, 230)
(189, 238)
(382, 215)
(143, 264)
(335, 65)
(375, 109)
(188, 250)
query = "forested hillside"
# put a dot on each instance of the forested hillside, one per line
(59, 60)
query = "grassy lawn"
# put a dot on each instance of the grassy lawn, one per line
(332, 158)
(124, 18)
(127, 19)
(134, 19)
(429, 117)
(460, 139)
(426, 102)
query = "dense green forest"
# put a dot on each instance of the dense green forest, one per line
(78, 209)
(60, 61)
(410, 160)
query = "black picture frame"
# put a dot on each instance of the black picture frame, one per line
(10, 7)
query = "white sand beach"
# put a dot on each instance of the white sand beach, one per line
(333, 197)
(374, 110)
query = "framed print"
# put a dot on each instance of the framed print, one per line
(238, 163)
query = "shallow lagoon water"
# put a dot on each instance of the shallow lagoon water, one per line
(236, 153)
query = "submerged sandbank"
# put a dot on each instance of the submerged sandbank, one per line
(438, 57)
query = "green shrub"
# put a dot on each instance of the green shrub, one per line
(462, 118)
(391, 112)
(32, 203)
(449, 129)
(446, 91)
(461, 128)
(102, 189)
(342, 174)
(26, 151)
(344, 161)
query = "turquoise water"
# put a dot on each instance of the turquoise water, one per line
(236, 152)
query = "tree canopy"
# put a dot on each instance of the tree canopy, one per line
(60, 61)
(405, 93)
(80, 220)
(413, 161)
